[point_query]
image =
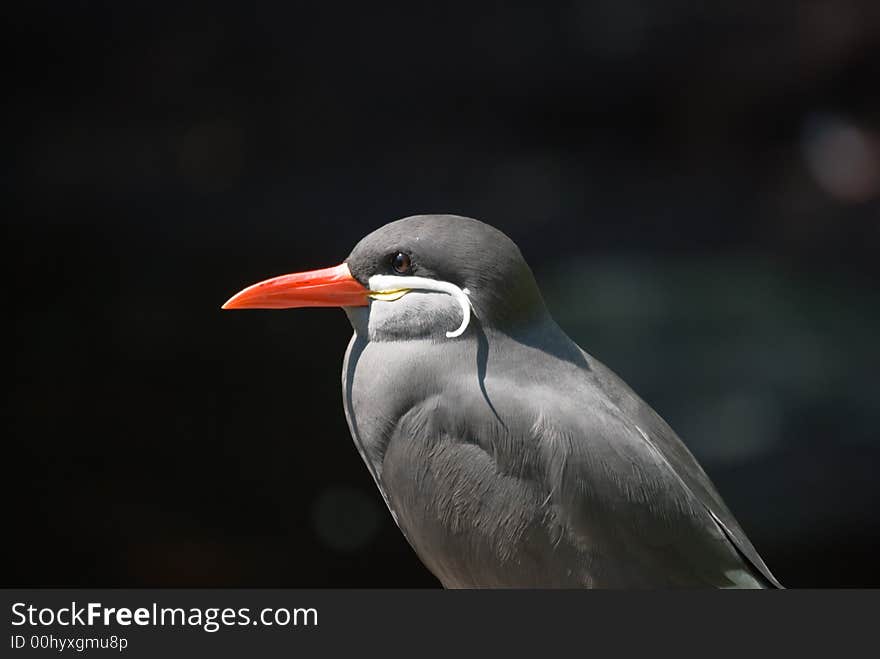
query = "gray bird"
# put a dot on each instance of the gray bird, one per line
(507, 455)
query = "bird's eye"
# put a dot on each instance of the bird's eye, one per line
(401, 263)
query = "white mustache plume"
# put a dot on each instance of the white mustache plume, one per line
(389, 288)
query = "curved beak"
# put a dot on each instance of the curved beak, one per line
(328, 287)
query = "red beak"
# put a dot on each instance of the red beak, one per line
(329, 287)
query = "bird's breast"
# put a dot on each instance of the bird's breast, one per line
(464, 497)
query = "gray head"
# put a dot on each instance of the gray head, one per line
(459, 255)
(420, 277)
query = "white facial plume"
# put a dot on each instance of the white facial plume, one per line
(388, 288)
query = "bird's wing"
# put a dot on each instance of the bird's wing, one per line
(623, 451)
(559, 485)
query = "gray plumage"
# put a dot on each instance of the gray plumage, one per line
(508, 456)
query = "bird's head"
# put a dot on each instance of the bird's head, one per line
(422, 276)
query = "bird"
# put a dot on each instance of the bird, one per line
(507, 455)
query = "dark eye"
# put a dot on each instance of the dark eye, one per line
(401, 263)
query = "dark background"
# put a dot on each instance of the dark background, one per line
(696, 186)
